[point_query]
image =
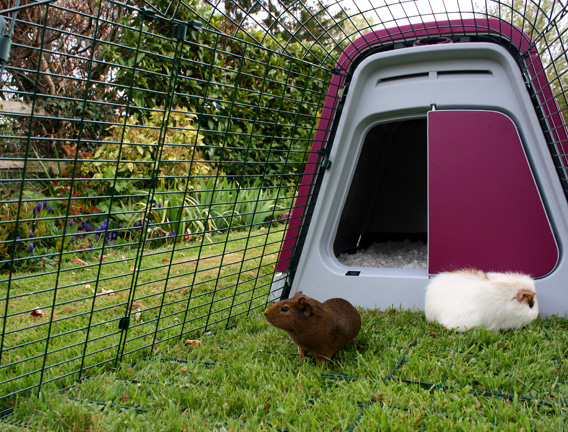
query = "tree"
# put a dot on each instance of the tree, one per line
(257, 102)
(546, 23)
(55, 61)
(325, 24)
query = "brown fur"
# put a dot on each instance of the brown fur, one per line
(320, 328)
(526, 296)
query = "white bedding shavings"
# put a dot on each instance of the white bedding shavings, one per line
(391, 254)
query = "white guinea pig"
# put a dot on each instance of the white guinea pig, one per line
(467, 298)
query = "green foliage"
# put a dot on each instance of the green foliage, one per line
(215, 206)
(533, 17)
(255, 205)
(173, 214)
(127, 159)
(43, 236)
(256, 106)
(66, 120)
(232, 206)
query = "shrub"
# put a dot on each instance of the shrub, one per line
(130, 152)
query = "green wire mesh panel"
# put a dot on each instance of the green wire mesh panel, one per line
(150, 156)
(149, 170)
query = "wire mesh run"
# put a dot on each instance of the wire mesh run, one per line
(151, 153)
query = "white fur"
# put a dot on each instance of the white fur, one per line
(470, 298)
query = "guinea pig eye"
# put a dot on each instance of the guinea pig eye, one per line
(531, 303)
(286, 309)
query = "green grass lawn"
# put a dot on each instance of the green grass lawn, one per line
(402, 374)
(167, 293)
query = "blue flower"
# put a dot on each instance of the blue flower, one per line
(44, 204)
(31, 234)
(73, 239)
(159, 205)
(71, 222)
(31, 248)
(50, 209)
(120, 226)
(114, 236)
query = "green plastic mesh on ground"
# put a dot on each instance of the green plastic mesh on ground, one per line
(402, 374)
(150, 156)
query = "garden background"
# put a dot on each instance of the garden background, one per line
(150, 156)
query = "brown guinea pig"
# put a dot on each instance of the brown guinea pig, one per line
(320, 328)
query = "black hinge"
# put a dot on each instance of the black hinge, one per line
(146, 15)
(195, 25)
(124, 323)
(285, 291)
(180, 31)
(325, 162)
(5, 45)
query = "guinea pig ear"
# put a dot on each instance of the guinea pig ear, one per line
(304, 305)
(297, 294)
(526, 296)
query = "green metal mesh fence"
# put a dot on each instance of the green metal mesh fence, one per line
(149, 170)
(150, 156)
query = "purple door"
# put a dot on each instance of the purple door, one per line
(484, 207)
